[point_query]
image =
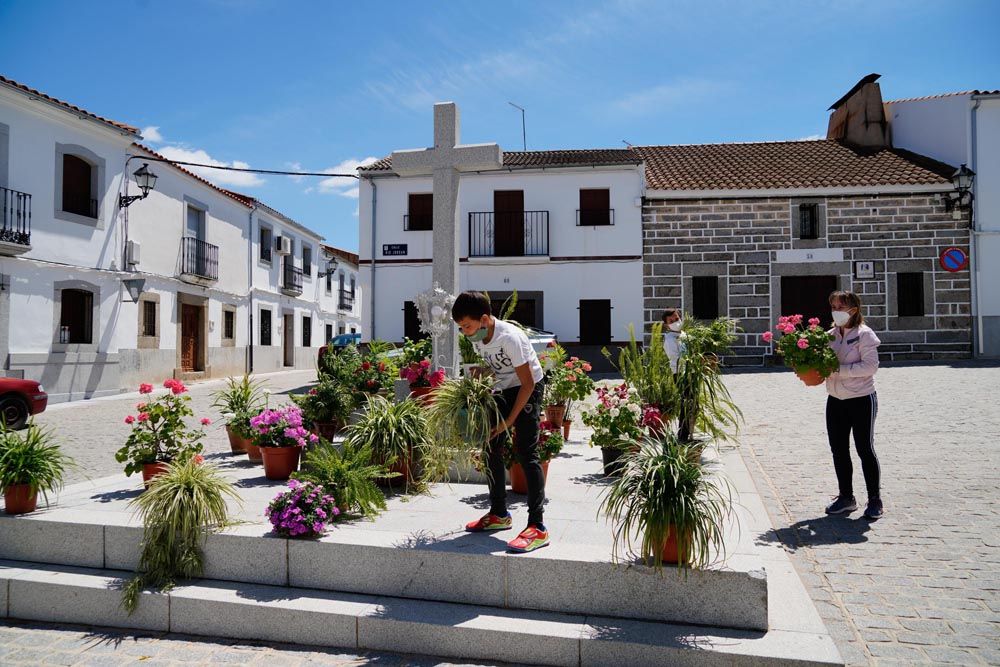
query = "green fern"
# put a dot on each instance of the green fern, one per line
(348, 474)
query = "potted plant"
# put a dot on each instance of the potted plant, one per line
(670, 502)
(806, 350)
(159, 433)
(615, 421)
(30, 463)
(704, 403)
(422, 379)
(472, 362)
(303, 510)
(375, 374)
(281, 437)
(550, 443)
(395, 433)
(180, 508)
(326, 407)
(347, 473)
(647, 370)
(241, 399)
(459, 423)
(566, 380)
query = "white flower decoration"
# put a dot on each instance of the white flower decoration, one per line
(615, 412)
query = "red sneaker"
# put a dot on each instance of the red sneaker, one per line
(529, 539)
(489, 522)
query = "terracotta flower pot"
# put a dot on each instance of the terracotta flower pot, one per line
(518, 480)
(810, 377)
(237, 443)
(328, 430)
(19, 499)
(401, 466)
(669, 552)
(555, 413)
(280, 462)
(253, 452)
(423, 394)
(612, 460)
(152, 470)
(567, 423)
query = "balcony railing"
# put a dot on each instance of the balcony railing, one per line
(291, 279)
(346, 299)
(16, 217)
(595, 217)
(199, 259)
(509, 234)
(84, 206)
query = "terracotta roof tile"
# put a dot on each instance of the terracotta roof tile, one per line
(346, 255)
(527, 159)
(785, 165)
(66, 105)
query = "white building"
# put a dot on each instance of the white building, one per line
(563, 228)
(68, 252)
(964, 128)
(344, 287)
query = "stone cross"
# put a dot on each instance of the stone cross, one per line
(445, 161)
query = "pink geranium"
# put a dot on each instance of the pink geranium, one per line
(143, 416)
(813, 321)
(145, 388)
(130, 419)
(802, 343)
(205, 421)
(767, 336)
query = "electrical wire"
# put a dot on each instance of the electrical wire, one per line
(247, 169)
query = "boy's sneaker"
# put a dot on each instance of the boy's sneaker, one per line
(874, 509)
(530, 538)
(842, 504)
(489, 522)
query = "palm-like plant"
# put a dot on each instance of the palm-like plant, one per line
(394, 433)
(459, 422)
(647, 370)
(662, 491)
(31, 457)
(240, 400)
(179, 509)
(704, 401)
(348, 474)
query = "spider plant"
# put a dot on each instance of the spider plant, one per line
(242, 399)
(459, 422)
(647, 370)
(31, 457)
(179, 509)
(394, 433)
(348, 474)
(662, 491)
(704, 401)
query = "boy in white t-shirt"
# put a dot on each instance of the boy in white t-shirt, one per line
(508, 353)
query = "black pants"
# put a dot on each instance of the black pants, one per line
(843, 417)
(525, 453)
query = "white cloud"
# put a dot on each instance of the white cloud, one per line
(217, 176)
(341, 185)
(812, 137)
(152, 134)
(666, 95)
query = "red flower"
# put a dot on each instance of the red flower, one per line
(145, 388)
(178, 388)
(199, 459)
(143, 416)
(130, 419)
(313, 392)
(437, 378)
(169, 383)
(381, 366)
(366, 366)
(205, 421)
(371, 383)
(140, 406)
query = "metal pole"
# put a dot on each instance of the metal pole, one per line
(524, 136)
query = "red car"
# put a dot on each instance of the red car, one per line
(20, 399)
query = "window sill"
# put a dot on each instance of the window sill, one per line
(148, 343)
(74, 348)
(228, 342)
(518, 259)
(85, 220)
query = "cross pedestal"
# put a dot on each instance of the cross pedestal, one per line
(444, 162)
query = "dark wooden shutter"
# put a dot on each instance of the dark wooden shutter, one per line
(307, 331)
(420, 216)
(595, 207)
(76, 195)
(595, 321)
(411, 322)
(148, 318)
(910, 294)
(508, 223)
(705, 297)
(228, 324)
(265, 327)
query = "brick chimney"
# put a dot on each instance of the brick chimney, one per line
(858, 118)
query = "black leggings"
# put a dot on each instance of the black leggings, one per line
(858, 415)
(525, 453)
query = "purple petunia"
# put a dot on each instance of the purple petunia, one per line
(302, 510)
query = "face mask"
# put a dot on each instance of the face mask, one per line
(840, 317)
(674, 326)
(479, 336)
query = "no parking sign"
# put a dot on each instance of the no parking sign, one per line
(954, 259)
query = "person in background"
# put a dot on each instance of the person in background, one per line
(852, 404)
(671, 336)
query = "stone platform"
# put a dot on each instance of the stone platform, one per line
(411, 580)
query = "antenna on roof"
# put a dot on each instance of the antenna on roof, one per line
(626, 143)
(524, 137)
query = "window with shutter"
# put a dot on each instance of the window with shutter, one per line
(411, 322)
(910, 294)
(420, 216)
(265, 244)
(265, 327)
(149, 318)
(595, 207)
(76, 314)
(307, 331)
(705, 297)
(228, 324)
(808, 221)
(595, 321)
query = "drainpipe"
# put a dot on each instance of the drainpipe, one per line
(250, 288)
(371, 297)
(977, 312)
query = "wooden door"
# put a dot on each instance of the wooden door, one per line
(807, 296)
(190, 334)
(508, 223)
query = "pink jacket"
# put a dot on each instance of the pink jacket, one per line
(857, 351)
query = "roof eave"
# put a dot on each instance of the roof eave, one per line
(132, 132)
(762, 193)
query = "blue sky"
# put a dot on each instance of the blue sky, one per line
(324, 85)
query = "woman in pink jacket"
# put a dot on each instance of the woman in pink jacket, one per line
(852, 404)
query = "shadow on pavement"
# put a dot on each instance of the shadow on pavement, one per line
(819, 531)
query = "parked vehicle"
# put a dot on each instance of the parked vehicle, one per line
(338, 343)
(20, 399)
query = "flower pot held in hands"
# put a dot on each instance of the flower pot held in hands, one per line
(280, 462)
(555, 413)
(19, 499)
(810, 377)
(518, 480)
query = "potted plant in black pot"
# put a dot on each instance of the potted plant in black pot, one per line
(615, 420)
(30, 463)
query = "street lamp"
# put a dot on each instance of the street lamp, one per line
(145, 179)
(962, 179)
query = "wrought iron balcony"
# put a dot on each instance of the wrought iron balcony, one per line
(346, 299)
(595, 217)
(199, 259)
(15, 234)
(291, 279)
(509, 234)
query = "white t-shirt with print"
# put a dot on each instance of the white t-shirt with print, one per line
(508, 349)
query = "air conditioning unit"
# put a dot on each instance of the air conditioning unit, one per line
(132, 253)
(283, 245)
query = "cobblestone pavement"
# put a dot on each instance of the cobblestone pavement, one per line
(920, 585)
